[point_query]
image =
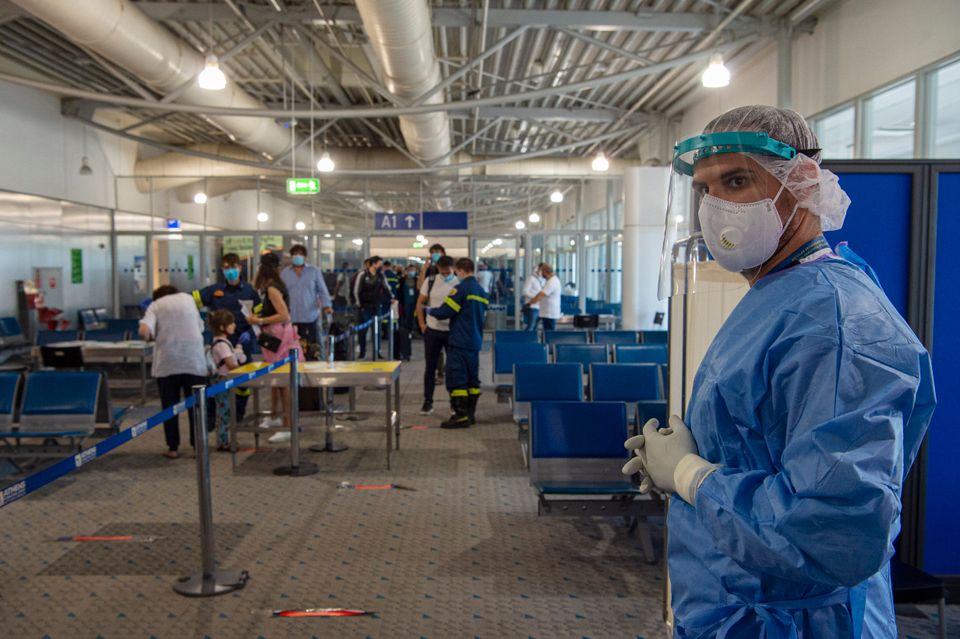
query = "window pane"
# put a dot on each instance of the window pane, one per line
(836, 134)
(889, 118)
(945, 133)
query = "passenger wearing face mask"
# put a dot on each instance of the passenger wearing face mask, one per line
(308, 298)
(408, 318)
(807, 410)
(430, 267)
(532, 286)
(435, 331)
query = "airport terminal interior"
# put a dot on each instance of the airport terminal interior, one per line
(479, 318)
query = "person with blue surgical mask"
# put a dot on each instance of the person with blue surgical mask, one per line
(435, 331)
(308, 298)
(807, 411)
(430, 266)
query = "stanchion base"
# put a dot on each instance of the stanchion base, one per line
(329, 447)
(220, 582)
(304, 469)
(353, 416)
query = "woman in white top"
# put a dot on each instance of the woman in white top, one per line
(530, 289)
(179, 363)
(548, 298)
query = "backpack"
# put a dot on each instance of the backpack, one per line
(369, 290)
(213, 367)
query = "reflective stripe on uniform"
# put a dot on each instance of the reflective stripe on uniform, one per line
(458, 393)
(449, 302)
(473, 391)
(257, 309)
(197, 300)
(477, 298)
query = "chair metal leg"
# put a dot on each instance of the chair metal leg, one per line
(942, 609)
(646, 540)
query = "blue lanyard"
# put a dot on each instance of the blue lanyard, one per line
(815, 245)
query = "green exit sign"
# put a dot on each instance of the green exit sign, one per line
(301, 186)
(418, 245)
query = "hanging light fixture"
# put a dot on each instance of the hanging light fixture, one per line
(199, 197)
(556, 197)
(600, 163)
(534, 218)
(85, 168)
(520, 225)
(716, 74)
(300, 226)
(212, 78)
(325, 164)
(262, 216)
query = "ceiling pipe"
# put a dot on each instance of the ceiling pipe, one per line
(402, 39)
(120, 32)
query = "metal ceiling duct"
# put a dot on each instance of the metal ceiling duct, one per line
(121, 33)
(401, 36)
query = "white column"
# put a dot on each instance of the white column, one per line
(644, 207)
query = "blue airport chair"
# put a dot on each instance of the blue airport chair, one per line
(544, 382)
(9, 395)
(652, 354)
(585, 354)
(506, 354)
(564, 337)
(629, 383)
(576, 454)
(129, 326)
(651, 409)
(653, 337)
(516, 337)
(88, 319)
(615, 337)
(52, 337)
(10, 327)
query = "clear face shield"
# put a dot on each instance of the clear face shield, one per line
(726, 191)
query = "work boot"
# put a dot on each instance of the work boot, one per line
(472, 407)
(460, 417)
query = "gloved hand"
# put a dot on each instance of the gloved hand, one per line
(239, 354)
(668, 459)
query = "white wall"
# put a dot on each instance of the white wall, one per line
(40, 150)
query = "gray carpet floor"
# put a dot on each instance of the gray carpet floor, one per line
(464, 554)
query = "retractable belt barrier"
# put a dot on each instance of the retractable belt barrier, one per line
(65, 466)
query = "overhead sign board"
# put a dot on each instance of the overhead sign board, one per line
(303, 186)
(397, 221)
(173, 224)
(445, 221)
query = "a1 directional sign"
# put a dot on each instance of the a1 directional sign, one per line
(445, 221)
(397, 221)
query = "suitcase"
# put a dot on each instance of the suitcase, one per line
(402, 344)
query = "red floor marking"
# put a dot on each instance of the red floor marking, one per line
(98, 538)
(321, 612)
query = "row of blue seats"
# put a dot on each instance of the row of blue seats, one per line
(581, 337)
(639, 385)
(506, 355)
(96, 335)
(50, 404)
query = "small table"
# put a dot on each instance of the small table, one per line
(114, 351)
(327, 375)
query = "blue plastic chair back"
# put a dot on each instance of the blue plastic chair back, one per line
(578, 430)
(102, 315)
(615, 337)
(625, 382)
(652, 409)
(61, 393)
(653, 337)
(515, 337)
(104, 335)
(10, 327)
(585, 354)
(52, 337)
(506, 354)
(544, 382)
(123, 325)
(646, 354)
(9, 383)
(565, 337)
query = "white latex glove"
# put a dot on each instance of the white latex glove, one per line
(239, 354)
(668, 459)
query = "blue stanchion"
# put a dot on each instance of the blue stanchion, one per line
(65, 466)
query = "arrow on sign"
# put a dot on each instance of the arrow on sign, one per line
(410, 220)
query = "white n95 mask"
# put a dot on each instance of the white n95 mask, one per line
(741, 236)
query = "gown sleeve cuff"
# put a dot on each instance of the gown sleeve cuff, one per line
(689, 474)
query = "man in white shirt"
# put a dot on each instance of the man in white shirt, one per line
(179, 362)
(531, 287)
(435, 331)
(548, 298)
(485, 277)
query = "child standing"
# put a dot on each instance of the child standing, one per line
(226, 357)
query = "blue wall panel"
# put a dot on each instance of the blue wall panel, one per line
(878, 227)
(941, 554)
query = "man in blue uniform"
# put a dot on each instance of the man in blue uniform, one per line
(806, 412)
(465, 307)
(229, 296)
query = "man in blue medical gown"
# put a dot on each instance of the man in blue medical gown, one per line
(806, 412)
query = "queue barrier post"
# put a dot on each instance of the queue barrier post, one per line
(297, 468)
(210, 582)
(376, 337)
(392, 329)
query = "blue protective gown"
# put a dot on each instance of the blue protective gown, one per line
(813, 399)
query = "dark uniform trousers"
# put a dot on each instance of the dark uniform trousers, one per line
(434, 343)
(463, 371)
